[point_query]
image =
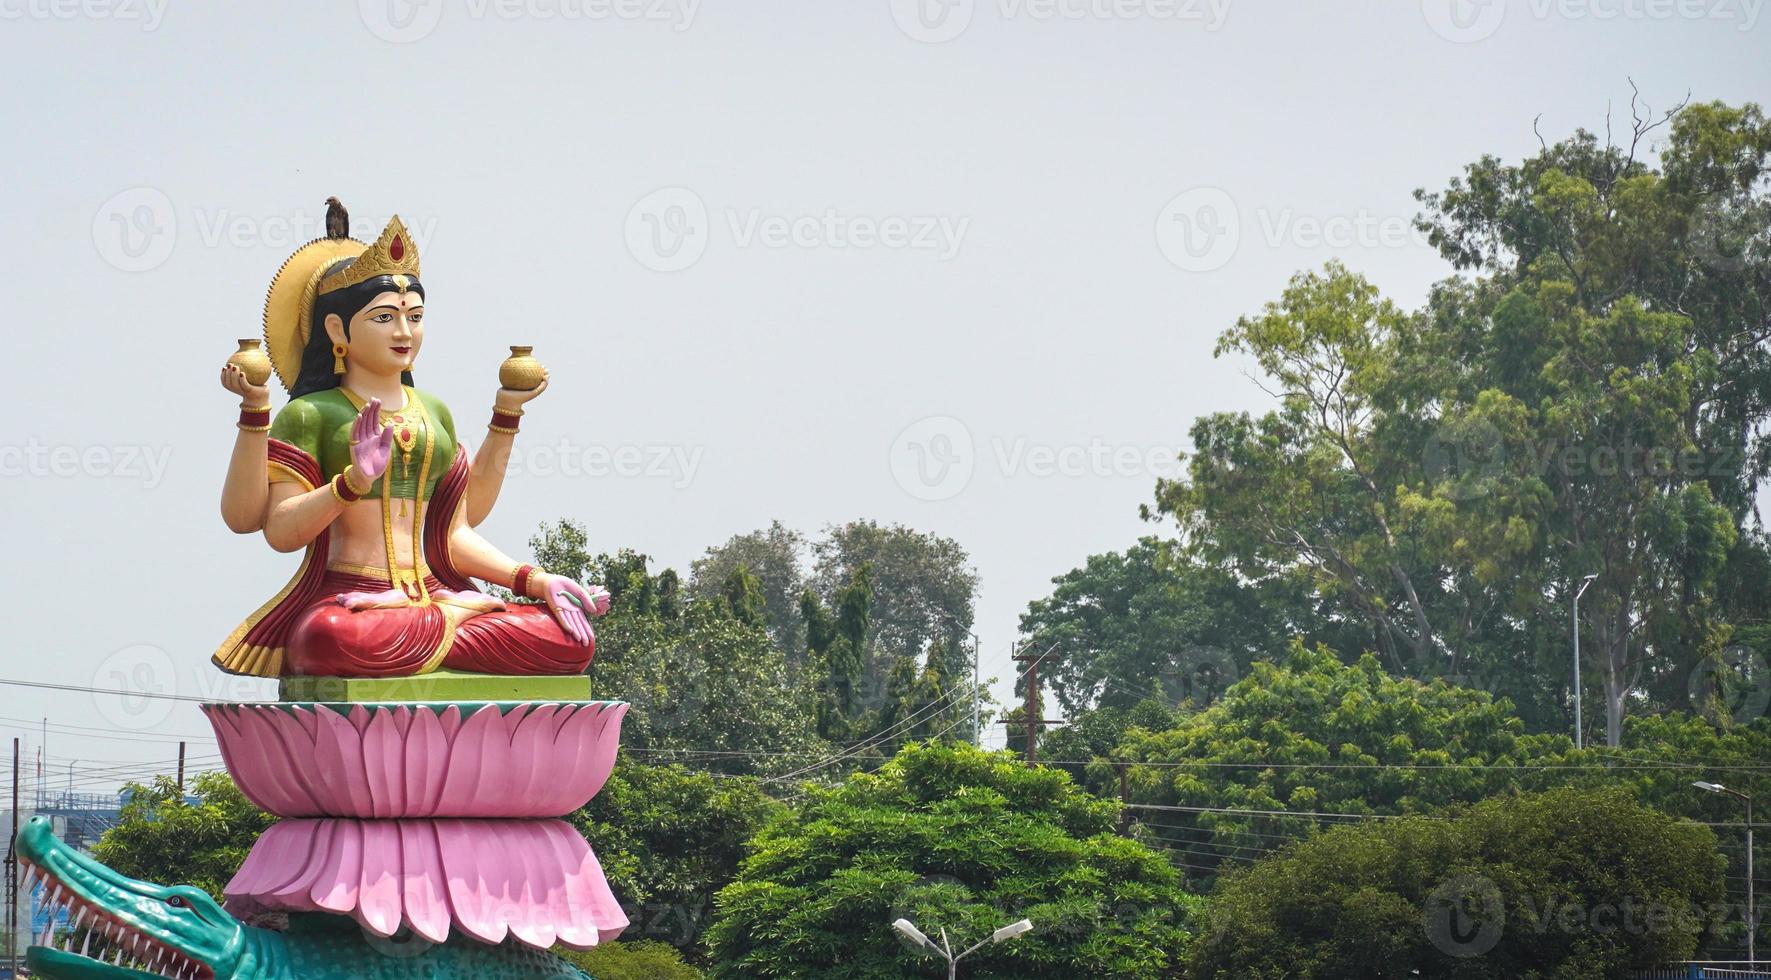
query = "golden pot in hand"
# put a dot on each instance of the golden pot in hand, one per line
(252, 360)
(520, 371)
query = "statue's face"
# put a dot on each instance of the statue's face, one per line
(386, 334)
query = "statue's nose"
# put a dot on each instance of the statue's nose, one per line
(39, 821)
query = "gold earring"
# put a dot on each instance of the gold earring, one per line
(338, 358)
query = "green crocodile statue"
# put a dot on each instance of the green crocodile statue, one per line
(144, 931)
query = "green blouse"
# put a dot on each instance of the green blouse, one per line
(319, 424)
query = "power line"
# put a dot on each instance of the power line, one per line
(1233, 831)
(800, 795)
(875, 740)
(1202, 854)
(1275, 813)
(1408, 766)
(65, 728)
(78, 689)
(1257, 851)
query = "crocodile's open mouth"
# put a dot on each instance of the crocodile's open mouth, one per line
(103, 938)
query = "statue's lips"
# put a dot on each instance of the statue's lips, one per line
(125, 944)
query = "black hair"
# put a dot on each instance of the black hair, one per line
(316, 372)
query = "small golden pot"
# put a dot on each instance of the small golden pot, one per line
(520, 371)
(252, 359)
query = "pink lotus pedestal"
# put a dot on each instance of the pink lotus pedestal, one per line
(427, 816)
(533, 880)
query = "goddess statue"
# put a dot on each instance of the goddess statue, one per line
(364, 473)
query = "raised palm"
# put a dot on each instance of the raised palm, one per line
(372, 444)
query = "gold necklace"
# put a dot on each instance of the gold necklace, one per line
(410, 581)
(405, 421)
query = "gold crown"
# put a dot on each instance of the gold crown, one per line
(393, 254)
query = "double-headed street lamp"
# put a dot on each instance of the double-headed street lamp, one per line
(1752, 921)
(945, 951)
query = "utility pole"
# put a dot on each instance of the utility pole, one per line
(1124, 797)
(1032, 712)
(12, 872)
(181, 768)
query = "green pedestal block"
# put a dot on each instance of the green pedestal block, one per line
(442, 685)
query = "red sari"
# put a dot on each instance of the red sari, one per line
(304, 630)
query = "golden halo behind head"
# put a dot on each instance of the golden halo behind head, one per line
(289, 306)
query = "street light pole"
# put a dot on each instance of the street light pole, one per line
(1752, 922)
(945, 951)
(977, 698)
(1575, 621)
(977, 688)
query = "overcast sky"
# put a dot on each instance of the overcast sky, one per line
(952, 263)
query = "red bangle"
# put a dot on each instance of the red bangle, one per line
(520, 583)
(255, 419)
(505, 422)
(341, 488)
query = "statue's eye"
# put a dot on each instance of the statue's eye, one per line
(176, 901)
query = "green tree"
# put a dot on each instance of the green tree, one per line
(669, 839)
(923, 586)
(1310, 491)
(744, 597)
(948, 836)
(1224, 785)
(1586, 400)
(774, 555)
(1663, 754)
(1568, 883)
(1155, 623)
(1085, 747)
(836, 648)
(1313, 735)
(922, 589)
(632, 961)
(705, 680)
(163, 837)
(709, 689)
(1628, 304)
